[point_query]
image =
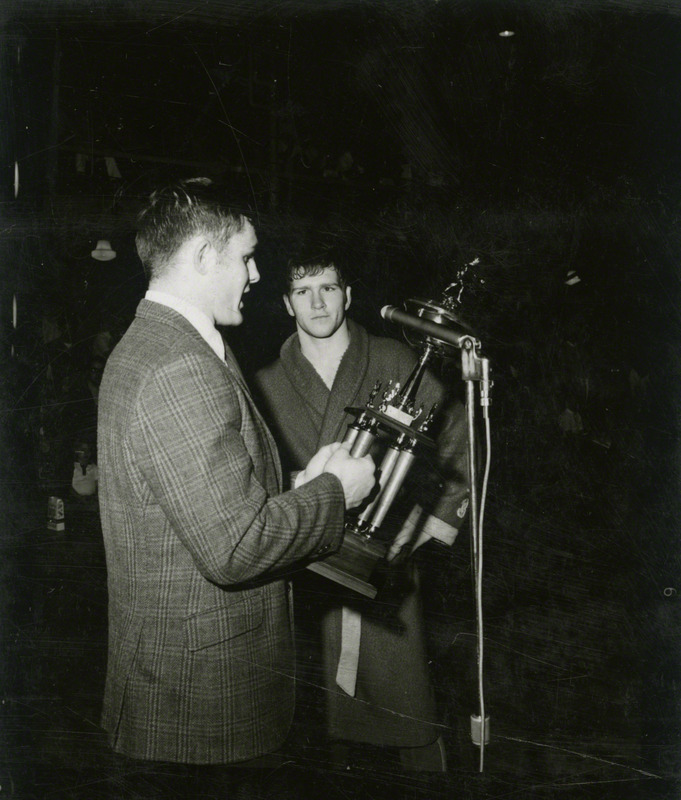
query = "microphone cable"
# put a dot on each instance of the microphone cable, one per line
(478, 563)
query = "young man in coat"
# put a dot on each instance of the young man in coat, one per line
(375, 668)
(197, 531)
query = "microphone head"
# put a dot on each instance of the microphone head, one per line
(429, 323)
(438, 313)
(441, 315)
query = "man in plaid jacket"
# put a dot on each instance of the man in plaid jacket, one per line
(198, 533)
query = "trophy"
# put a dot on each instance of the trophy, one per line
(436, 330)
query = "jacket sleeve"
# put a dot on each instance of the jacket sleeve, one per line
(189, 438)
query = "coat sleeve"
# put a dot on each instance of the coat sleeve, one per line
(441, 482)
(190, 440)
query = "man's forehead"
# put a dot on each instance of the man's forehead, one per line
(327, 275)
(244, 240)
(249, 236)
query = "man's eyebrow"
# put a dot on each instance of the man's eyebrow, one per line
(307, 285)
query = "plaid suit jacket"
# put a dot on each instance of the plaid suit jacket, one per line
(197, 536)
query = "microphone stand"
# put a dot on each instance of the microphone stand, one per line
(476, 369)
(437, 325)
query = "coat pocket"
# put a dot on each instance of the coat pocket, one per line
(224, 622)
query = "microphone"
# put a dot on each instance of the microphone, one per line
(444, 333)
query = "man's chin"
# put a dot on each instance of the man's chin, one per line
(322, 327)
(231, 318)
(321, 332)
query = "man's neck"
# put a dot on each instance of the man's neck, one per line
(176, 285)
(325, 354)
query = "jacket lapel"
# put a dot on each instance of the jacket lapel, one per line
(346, 386)
(310, 389)
(265, 434)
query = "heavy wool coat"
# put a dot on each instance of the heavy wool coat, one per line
(393, 703)
(197, 537)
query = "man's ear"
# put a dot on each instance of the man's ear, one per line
(348, 297)
(203, 255)
(288, 305)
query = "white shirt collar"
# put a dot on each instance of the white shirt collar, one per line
(203, 324)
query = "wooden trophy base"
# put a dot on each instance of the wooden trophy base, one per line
(353, 565)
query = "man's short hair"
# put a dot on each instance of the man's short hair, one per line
(178, 211)
(298, 268)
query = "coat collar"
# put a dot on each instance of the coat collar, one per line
(202, 322)
(165, 315)
(168, 316)
(327, 407)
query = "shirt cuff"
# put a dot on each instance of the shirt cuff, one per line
(435, 528)
(431, 527)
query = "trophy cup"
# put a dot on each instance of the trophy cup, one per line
(435, 329)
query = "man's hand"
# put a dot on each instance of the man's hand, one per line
(316, 464)
(356, 474)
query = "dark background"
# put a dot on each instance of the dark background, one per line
(413, 138)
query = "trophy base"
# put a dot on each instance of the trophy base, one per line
(353, 565)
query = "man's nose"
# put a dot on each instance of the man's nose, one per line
(317, 300)
(253, 274)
